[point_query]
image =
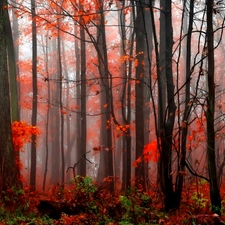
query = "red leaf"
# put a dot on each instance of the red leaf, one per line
(151, 152)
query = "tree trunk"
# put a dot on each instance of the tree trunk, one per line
(211, 156)
(8, 166)
(12, 68)
(166, 126)
(126, 98)
(106, 156)
(186, 114)
(81, 167)
(47, 118)
(139, 93)
(78, 93)
(34, 99)
(55, 123)
(60, 76)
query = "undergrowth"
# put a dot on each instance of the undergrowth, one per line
(81, 201)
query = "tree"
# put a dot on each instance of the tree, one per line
(9, 167)
(34, 99)
(187, 106)
(81, 151)
(106, 156)
(167, 114)
(126, 50)
(60, 77)
(211, 155)
(12, 68)
(139, 92)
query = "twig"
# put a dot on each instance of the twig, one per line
(74, 166)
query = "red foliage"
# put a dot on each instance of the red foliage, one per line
(21, 134)
(150, 153)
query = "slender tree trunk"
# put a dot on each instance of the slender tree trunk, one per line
(15, 33)
(106, 156)
(211, 156)
(60, 75)
(78, 94)
(147, 78)
(126, 70)
(83, 132)
(181, 164)
(139, 94)
(55, 122)
(34, 99)
(68, 115)
(47, 118)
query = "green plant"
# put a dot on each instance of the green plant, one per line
(199, 201)
(125, 223)
(84, 184)
(202, 181)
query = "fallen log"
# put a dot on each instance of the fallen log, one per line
(54, 209)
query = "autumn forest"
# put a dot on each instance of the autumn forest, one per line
(112, 112)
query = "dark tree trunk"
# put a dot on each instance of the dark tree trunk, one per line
(126, 98)
(81, 167)
(211, 156)
(182, 156)
(106, 156)
(166, 126)
(34, 99)
(8, 167)
(12, 68)
(139, 93)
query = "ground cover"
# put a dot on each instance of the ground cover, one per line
(81, 201)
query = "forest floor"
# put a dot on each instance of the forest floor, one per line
(82, 202)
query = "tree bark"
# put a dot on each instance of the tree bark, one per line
(106, 156)
(34, 99)
(211, 156)
(8, 166)
(12, 68)
(139, 94)
(81, 170)
(166, 126)
(60, 76)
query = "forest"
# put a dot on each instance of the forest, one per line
(112, 112)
